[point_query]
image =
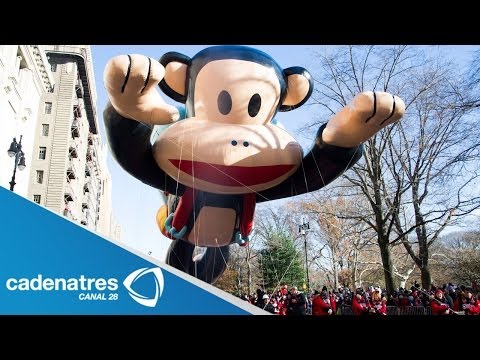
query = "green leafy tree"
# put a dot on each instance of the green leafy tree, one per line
(281, 263)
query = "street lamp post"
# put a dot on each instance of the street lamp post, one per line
(15, 151)
(302, 229)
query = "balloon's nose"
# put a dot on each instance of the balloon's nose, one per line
(244, 143)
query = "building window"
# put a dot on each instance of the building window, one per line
(53, 67)
(39, 176)
(48, 108)
(45, 129)
(37, 198)
(42, 152)
(51, 89)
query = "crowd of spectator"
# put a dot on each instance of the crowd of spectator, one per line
(446, 300)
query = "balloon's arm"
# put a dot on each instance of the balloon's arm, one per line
(323, 164)
(130, 145)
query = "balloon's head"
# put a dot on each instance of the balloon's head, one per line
(227, 143)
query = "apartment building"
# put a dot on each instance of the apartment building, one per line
(68, 172)
(25, 77)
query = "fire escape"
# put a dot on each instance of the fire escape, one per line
(79, 88)
(77, 115)
(71, 172)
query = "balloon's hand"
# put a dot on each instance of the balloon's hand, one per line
(362, 118)
(172, 231)
(130, 82)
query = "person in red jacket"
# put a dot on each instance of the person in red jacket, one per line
(321, 303)
(359, 306)
(473, 308)
(439, 305)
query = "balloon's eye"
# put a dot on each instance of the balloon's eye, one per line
(254, 105)
(224, 102)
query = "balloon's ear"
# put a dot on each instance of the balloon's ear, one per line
(174, 83)
(299, 88)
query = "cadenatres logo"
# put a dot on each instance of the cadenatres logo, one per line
(93, 288)
(139, 298)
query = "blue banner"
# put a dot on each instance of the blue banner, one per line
(53, 266)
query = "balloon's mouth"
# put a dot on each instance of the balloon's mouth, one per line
(231, 175)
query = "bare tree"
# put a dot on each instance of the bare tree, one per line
(406, 167)
(436, 153)
(338, 238)
(348, 244)
(460, 253)
(473, 79)
(344, 73)
(243, 271)
(231, 280)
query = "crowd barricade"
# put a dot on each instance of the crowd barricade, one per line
(414, 310)
(393, 310)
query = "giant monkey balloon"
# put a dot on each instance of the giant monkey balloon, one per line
(223, 152)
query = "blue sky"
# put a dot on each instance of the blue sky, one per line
(135, 204)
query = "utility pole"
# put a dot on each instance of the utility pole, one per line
(302, 229)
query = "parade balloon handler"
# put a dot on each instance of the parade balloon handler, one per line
(221, 152)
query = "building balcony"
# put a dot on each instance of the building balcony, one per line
(87, 203)
(90, 154)
(71, 171)
(77, 111)
(73, 151)
(90, 204)
(87, 219)
(88, 170)
(69, 194)
(91, 167)
(84, 219)
(79, 90)
(75, 128)
(91, 148)
(67, 212)
(90, 187)
(69, 204)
